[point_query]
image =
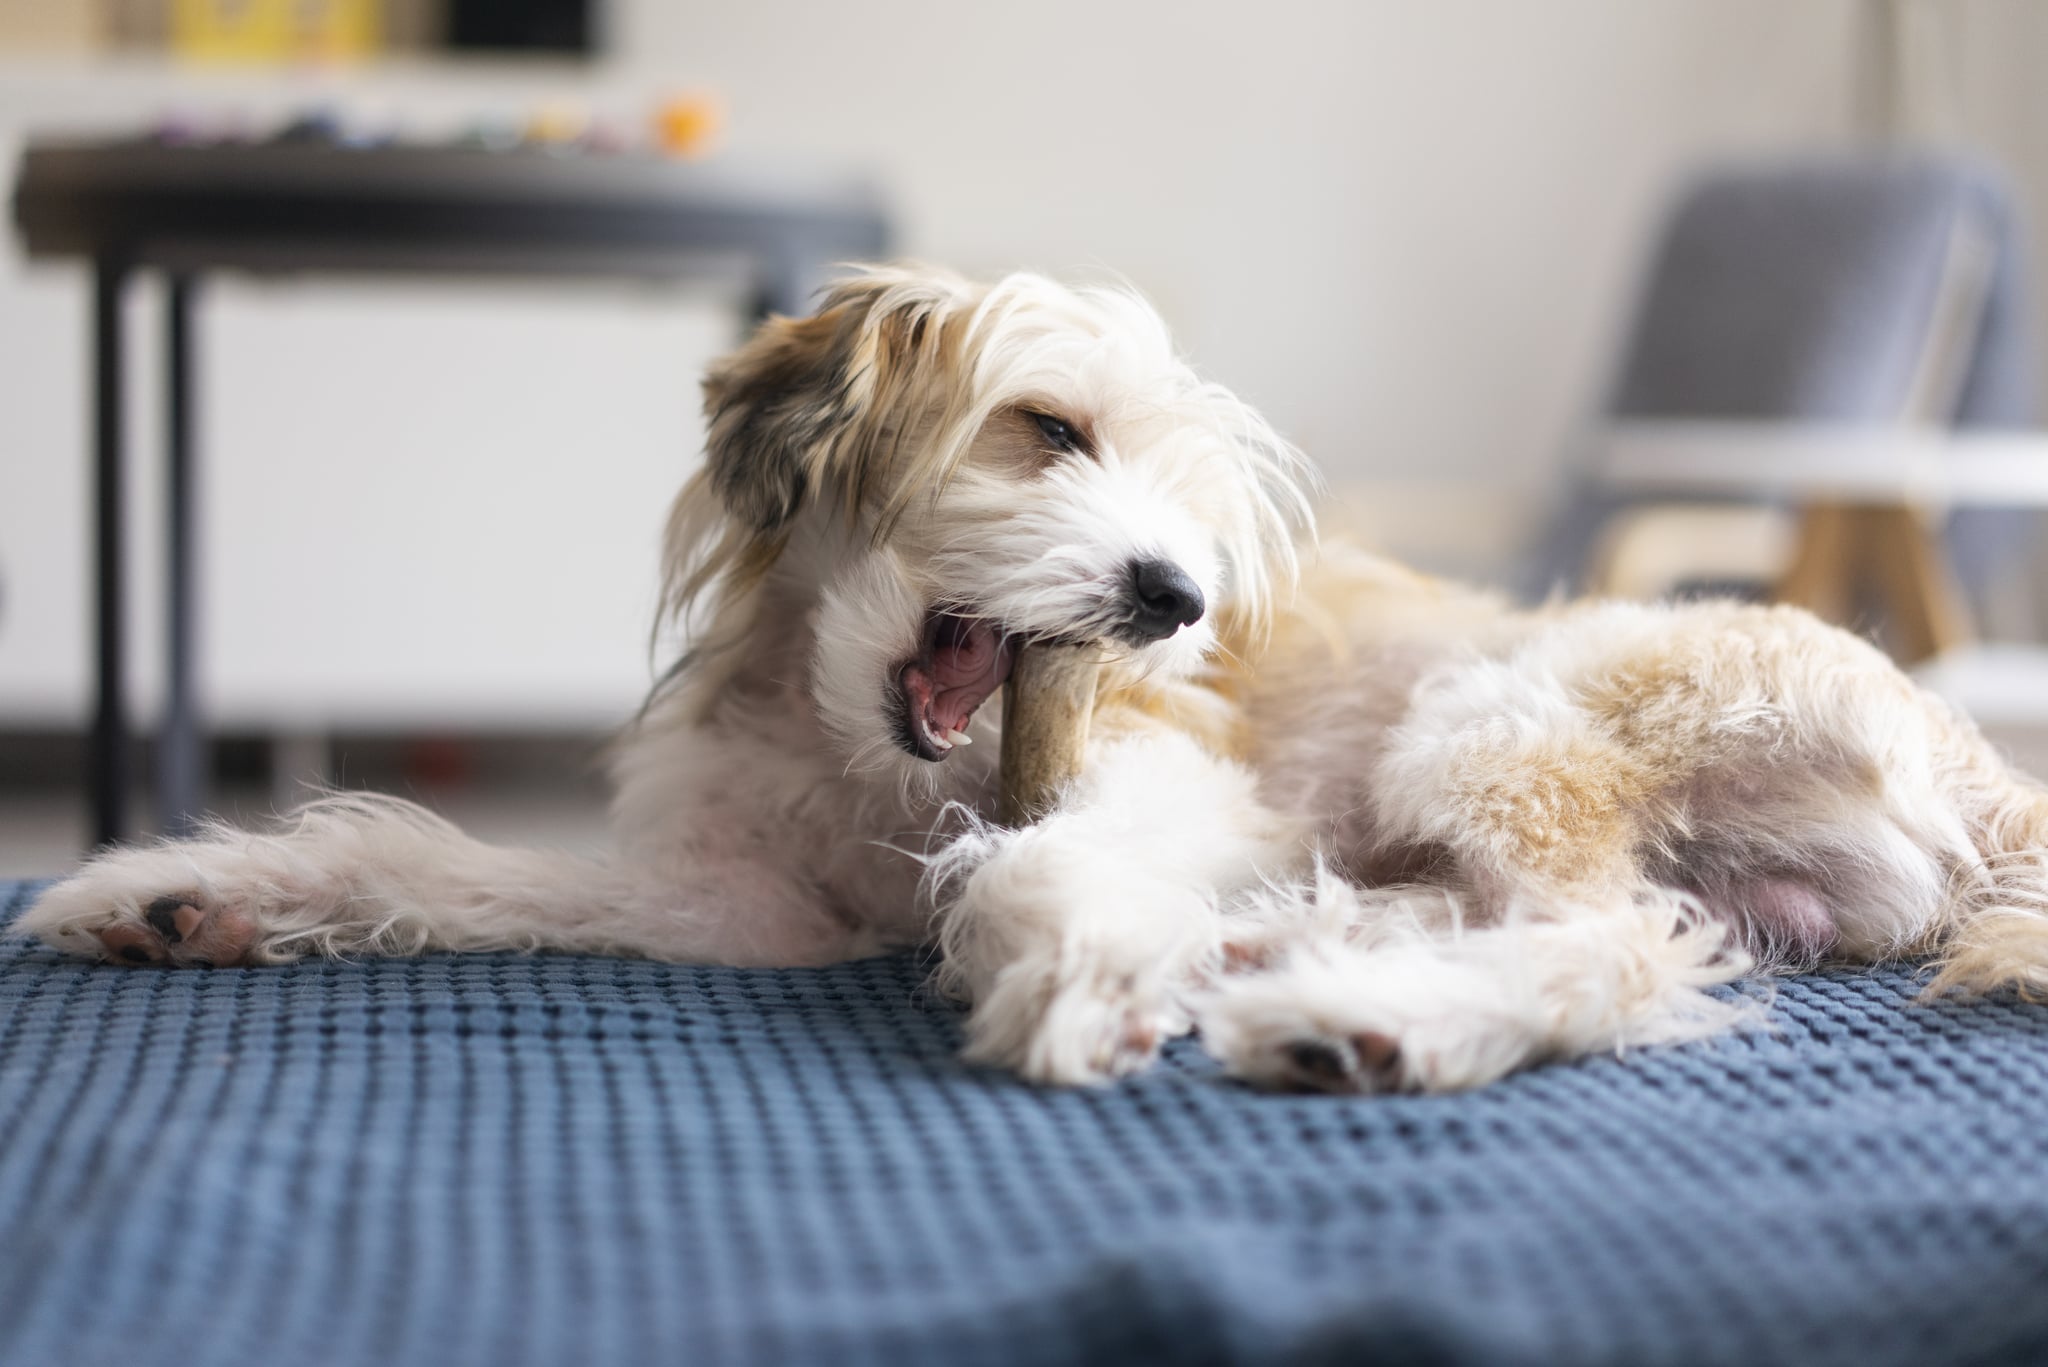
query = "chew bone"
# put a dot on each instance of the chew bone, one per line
(1046, 705)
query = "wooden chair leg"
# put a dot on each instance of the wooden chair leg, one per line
(1923, 606)
(1884, 551)
(1822, 576)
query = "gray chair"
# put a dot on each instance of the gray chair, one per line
(1842, 294)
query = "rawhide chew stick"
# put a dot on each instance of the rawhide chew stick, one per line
(1046, 705)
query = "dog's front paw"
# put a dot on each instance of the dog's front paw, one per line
(1363, 1025)
(1073, 955)
(150, 906)
(1070, 1032)
(1361, 1063)
(1360, 1051)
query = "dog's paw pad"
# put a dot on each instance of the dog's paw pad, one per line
(1364, 1062)
(126, 944)
(174, 918)
(1078, 1038)
(1131, 1047)
(181, 930)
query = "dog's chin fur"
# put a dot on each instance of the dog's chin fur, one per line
(1366, 830)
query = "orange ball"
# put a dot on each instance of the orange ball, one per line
(688, 125)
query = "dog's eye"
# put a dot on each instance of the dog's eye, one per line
(1061, 434)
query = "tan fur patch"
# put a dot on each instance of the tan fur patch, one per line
(1567, 815)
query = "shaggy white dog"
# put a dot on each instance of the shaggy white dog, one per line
(1367, 831)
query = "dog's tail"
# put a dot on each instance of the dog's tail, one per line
(1997, 930)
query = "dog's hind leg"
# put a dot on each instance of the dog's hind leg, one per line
(368, 875)
(1940, 853)
(1546, 940)
(1995, 933)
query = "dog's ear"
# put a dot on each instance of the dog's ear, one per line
(823, 401)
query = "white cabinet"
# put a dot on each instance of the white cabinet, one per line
(425, 503)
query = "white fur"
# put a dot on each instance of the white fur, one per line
(1385, 835)
(1450, 1006)
(1076, 936)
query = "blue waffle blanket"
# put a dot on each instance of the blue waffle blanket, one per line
(502, 1160)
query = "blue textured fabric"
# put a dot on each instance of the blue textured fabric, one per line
(502, 1160)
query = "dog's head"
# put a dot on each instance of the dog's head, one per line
(944, 469)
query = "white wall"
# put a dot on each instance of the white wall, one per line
(1405, 229)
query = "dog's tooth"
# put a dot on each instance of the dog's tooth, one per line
(959, 738)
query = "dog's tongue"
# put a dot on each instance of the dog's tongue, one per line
(968, 661)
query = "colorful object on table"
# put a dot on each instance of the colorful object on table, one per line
(685, 126)
(688, 125)
(177, 128)
(275, 30)
(557, 124)
(492, 134)
(184, 127)
(315, 127)
(608, 136)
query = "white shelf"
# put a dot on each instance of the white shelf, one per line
(1922, 466)
(1999, 685)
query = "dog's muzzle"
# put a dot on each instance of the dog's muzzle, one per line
(1160, 599)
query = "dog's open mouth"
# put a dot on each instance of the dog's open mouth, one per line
(964, 661)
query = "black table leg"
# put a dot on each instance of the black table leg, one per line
(181, 744)
(110, 748)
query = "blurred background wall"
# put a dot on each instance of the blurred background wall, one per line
(1409, 231)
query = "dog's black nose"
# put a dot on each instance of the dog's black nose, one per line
(1163, 600)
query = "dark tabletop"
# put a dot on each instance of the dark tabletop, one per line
(300, 206)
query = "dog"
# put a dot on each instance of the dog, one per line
(1364, 830)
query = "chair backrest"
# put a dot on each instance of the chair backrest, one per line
(1854, 288)
(1846, 288)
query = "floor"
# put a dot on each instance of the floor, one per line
(44, 833)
